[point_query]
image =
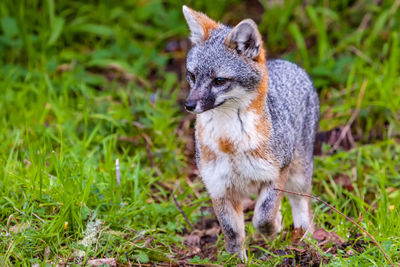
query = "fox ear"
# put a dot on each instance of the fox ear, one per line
(199, 24)
(245, 39)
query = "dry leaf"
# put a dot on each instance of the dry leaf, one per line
(99, 262)
(320, 235)
(345, 181)
(213, 231)
(192, 240)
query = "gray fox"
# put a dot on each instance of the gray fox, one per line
(255, 127)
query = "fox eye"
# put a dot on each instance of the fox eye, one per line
(191, 76)
(219, 81)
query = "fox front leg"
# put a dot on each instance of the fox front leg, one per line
(267, 217)
(230, 216)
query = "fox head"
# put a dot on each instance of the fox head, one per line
(225, 65)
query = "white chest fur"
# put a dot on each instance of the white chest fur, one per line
(232, 136)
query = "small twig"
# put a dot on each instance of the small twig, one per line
(362, 55)
(140, 265)
(394, 7)
(149, 144)
(40, 219)
(347, 218)
(181, 211)
(23, 213)
(127, 259)
(364, 22)
(346, 128)
(133, 140)
(11, 217)
(68, 257)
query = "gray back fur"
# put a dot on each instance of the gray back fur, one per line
(293, 108)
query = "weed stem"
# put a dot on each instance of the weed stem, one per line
(181, 211)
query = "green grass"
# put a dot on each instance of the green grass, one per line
(64, 122)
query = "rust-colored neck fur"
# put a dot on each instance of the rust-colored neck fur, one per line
(258, 104)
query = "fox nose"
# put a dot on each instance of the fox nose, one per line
(190, 105)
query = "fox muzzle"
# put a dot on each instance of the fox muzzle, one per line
(200, 101)
(190, 105)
